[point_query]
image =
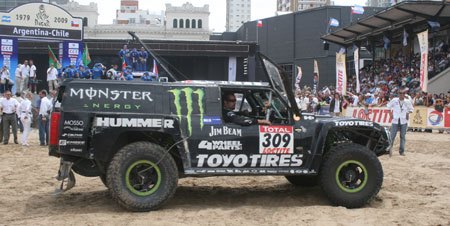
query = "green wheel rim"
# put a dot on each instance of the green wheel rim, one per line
(143, 178)
(351, 176)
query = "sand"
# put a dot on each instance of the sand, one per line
(416, 191)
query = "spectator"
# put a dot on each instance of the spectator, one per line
(400, 108)
(26, 117)
(52, 78)
(336, 105)
(33, 79)
(4, 76)
(22, 80)
(9, 108)
(44, 113)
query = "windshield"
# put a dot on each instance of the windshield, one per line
(275, 76)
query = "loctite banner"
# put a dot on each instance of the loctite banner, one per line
(356, 59)
(421, 117)
(423, 43)
(341, 76)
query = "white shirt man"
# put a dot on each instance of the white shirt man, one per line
(400, 110)
(9, 105)
(24, 75)
(51, 78)
(401, 107)
(46, 107)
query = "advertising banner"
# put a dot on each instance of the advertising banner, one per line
(356, 60)
(72, 53)
(9, 56)
(423, 43)
(41, 21)
(421, 117)
(341, 75)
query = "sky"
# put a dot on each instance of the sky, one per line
(260, 9)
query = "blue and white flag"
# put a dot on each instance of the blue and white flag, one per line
(386, 41)
(334, 22)
(405, 37)
(357, 9)
(6, 19)
(434, 25)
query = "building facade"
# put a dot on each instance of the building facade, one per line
(300, 5)
(185, 22)
(129, 13)
(238, 12)
(88, 12)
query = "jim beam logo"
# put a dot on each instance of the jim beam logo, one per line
(42, 19)
(189, 95)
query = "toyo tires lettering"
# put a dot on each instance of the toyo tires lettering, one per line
(241, 160)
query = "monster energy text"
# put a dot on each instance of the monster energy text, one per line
(188, 93)
(106, 93)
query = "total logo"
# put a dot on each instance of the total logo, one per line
(435, 118)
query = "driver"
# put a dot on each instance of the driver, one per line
(229, 104)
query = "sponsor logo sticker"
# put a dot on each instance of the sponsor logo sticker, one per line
(227, 145)
(225, 131)
(353, 123)
(134, 122)
(242, 160)
(276, 140)
(188, 94)
(212, 120)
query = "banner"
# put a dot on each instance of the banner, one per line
(316, 77)
(423, 43)
(9, 56)
(356, 59)
(341, 75)
(421, 117)
(41, 21)
(72, 53)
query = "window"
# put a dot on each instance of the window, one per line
(193, 23)
(132, 20)
(175, 23)
(188, 23)
(200, 23)
(181, 23)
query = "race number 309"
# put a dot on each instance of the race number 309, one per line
(276, 140)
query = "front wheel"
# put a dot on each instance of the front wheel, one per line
(351, 175)
(142, 177)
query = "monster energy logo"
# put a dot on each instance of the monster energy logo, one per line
(188, 93)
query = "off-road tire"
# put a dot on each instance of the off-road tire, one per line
(303, 181)
(336, 166)
(157, 165)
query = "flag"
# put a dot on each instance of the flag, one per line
(75, 23)
(52, 60)
(6, 19)
(86, 58)
(333, 22)
(386, 41)
(259, 23)
(316, 69)
(434, 25)
(299, 78)
(356, 59)
(405, 37)
(341, 75)
(155, 68)
(423, 44)
(124, 64)
(316, 77)
(357, 9)
(393, 2)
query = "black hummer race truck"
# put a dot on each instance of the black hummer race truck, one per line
(140, 138)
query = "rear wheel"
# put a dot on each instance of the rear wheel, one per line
(141, 177)
(351, 175)
(303, 181)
